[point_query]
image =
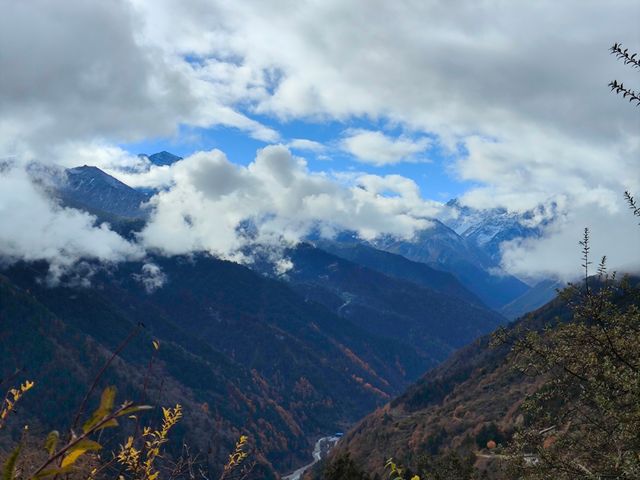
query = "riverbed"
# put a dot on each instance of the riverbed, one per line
(322, 447)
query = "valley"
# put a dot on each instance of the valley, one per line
(320, 451)
(320, 240)
(343, 331)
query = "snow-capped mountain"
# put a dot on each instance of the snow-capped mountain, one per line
(471, 253)
(442, 248)
(488, 229)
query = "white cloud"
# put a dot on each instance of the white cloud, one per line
(74, 71)
(36, 228)
(379, 149)
(151, 277)
(522, 171)
(305, 144)
(97, 154)
(211, 198)
(205, 204)
(614, 233)
(528, 77)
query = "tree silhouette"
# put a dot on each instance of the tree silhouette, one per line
(628, 59)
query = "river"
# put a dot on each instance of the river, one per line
(320, 450)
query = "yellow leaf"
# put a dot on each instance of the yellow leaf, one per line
(27, 386)
(106, 405)
(51, 442)
(79, 449)
(8, 472)
(156, 344)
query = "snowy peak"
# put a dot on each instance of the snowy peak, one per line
(442, 248)
(488, 229)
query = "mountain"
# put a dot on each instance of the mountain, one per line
(431, 322)
(91, 189)
(475, 398)
(541, 293)
(62, 352)
(441, 248)
(468, 400)
(488, 229)
(399, 267)
(263, 361)
(415, 315)
(342, 334)
(164, 158)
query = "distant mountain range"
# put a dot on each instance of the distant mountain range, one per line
(442, 248)
(284, 358)
(430, 321)
(488, 229)
(398, 267)
(439, 246)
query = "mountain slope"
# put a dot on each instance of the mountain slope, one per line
(62, 359)
(442, 248)
(471, 398)
(93, 190)
(399, 267)
(431, 322)
(538, 295)
(287, 369)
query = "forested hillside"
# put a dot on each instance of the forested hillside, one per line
(501, 399)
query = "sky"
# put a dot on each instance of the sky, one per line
(369, 114)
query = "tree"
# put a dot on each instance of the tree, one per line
(584, 420)
(344, 468)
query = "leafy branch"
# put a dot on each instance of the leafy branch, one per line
(103, 417)
(13, 396)
(628, 59)
(633, 205)
(624, 55)
(626, 92)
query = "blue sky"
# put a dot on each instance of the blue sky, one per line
(433, 170)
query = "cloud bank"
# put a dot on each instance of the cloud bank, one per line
(34, 227)
(513, 93)
(205, 203)
(210, 199)
(613, 234)
(77, 71)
